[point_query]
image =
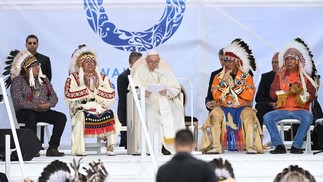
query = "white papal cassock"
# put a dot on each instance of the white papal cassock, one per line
(164, 114)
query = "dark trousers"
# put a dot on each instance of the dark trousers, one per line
(57, 119)
(123, 140)
(262, 108)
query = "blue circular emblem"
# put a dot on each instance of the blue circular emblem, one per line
(135, 41)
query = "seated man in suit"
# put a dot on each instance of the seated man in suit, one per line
(233, 123)
(89, 94)
(264, 102)
(164, 109)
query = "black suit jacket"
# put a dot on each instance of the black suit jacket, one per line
(122, 84)
(209, 96)
(263, 93)
(184, 167)
(45, 65)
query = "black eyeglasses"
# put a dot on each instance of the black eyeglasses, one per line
(34, 43)
(230, 59)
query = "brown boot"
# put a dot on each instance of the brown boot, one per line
(54, 153)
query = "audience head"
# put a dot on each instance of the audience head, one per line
(223, 170)
(133, 57)
(32, 43)
(55, 171)
(184, 141)
(152, 60)
(275, 62)
(59, 171)
(294, 174)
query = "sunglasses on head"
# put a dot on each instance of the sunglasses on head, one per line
(34, 43)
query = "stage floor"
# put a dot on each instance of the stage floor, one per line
(124, 167)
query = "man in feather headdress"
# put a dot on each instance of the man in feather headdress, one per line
(89, 94)
(294, 89)
(233, 124)
(33, 96)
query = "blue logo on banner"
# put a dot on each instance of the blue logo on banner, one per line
(135, 41)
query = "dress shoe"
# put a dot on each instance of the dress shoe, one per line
(37, 155)
(54, 153)
(165, 151)
(81, 155)
(279, 149)
(110, 153)
(212, 151)
(251, 151)
(295, 150)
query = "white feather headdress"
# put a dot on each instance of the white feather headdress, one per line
(243, 54)
(81, 54)
(18, 60)
(298, 48)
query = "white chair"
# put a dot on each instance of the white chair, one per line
(94, 146)
(288, 144)
(97, 146)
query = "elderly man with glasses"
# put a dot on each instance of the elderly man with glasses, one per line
(164, 109)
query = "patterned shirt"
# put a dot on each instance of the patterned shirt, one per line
(27, 97)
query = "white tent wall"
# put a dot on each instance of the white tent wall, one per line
(192, 51)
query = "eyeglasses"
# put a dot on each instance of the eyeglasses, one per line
(230, 59)
(34, 43)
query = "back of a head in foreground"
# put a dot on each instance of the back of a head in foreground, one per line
(184, 141)
(223, 170)
(183, 166)
(294, 174)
